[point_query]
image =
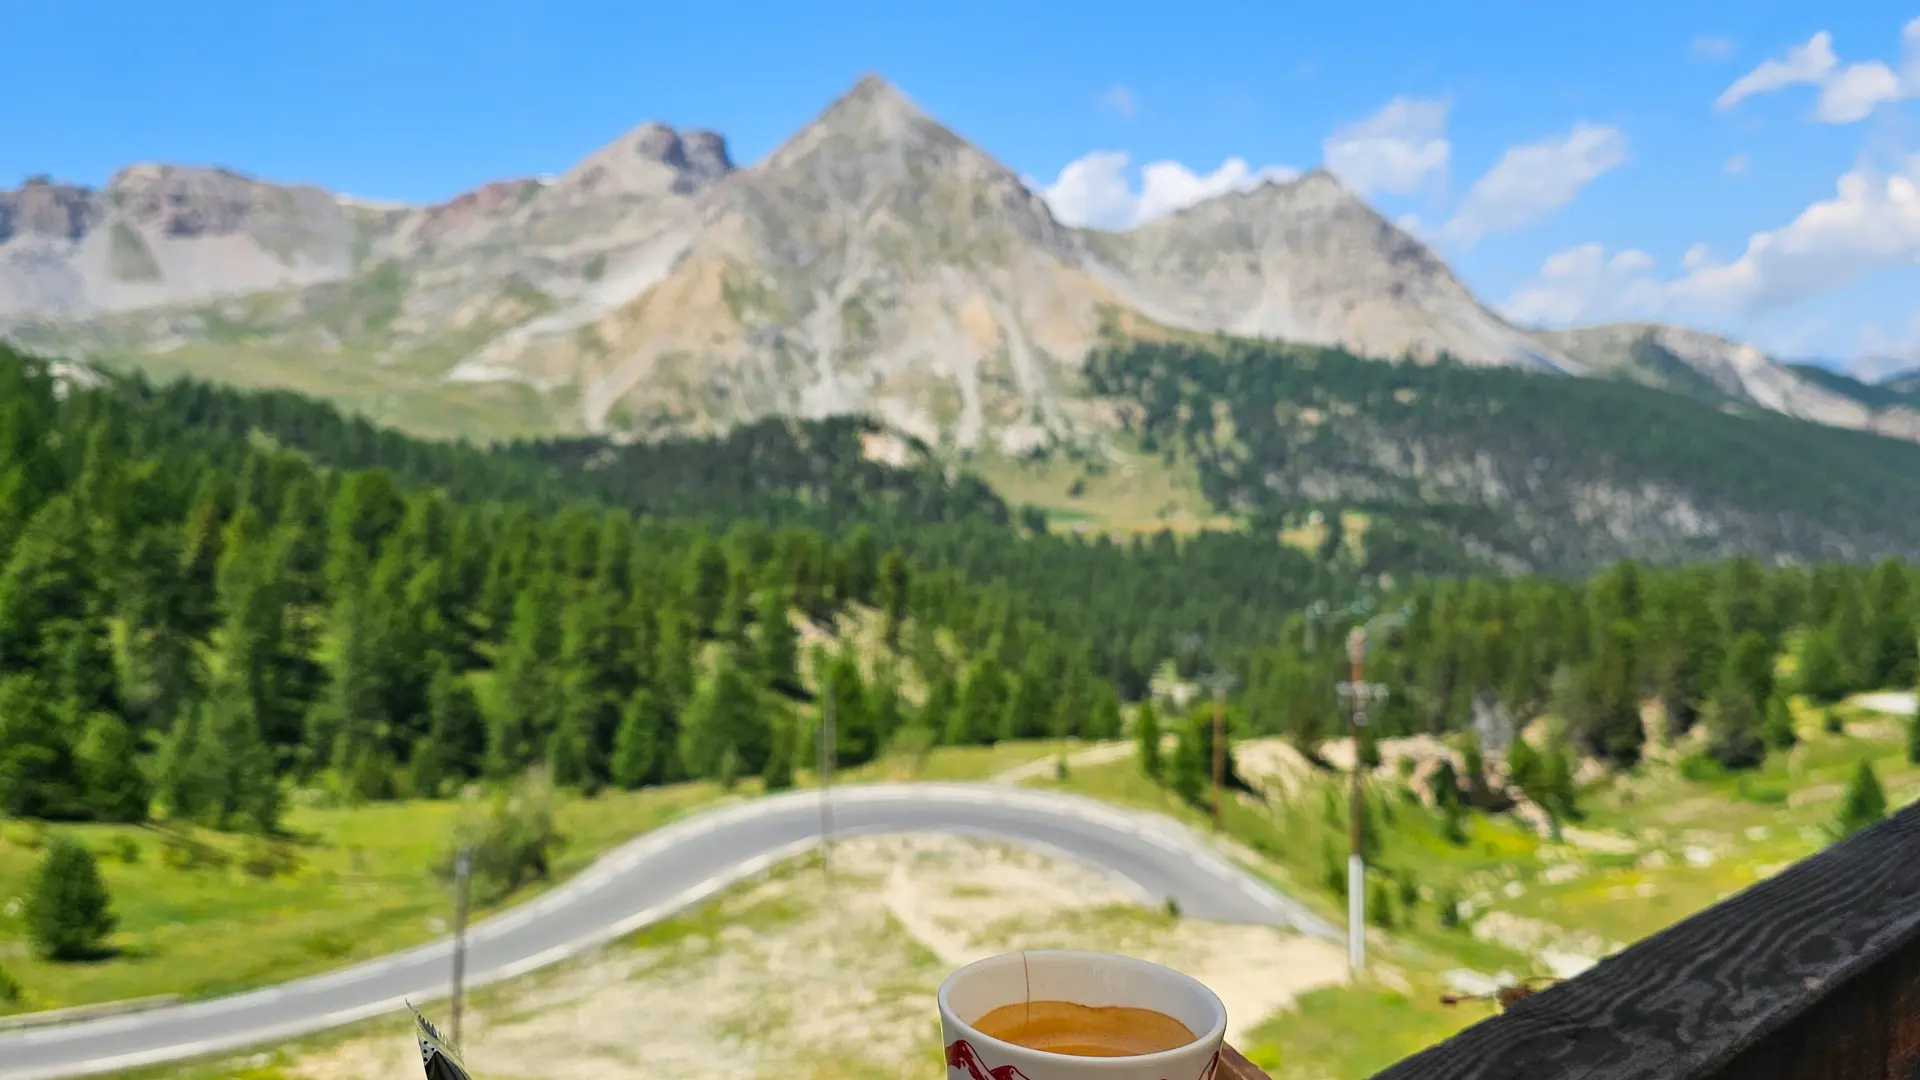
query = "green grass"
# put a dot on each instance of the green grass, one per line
(357, 883)
(1737, 828)
(401, 395)
(1141, 492)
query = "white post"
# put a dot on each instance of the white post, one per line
(828, 746)
(1356, 914)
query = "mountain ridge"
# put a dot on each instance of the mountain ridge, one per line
(875, 261)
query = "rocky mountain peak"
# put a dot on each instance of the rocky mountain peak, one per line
(651, 159)
(48, 209)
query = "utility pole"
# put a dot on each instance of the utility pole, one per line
(827, 749)
(462, 876)
(1357, 691)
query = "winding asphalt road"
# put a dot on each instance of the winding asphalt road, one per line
(653, 877)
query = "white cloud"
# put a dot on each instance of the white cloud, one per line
(1871, 224)
(1097, 191)
(1804, 65)
(1535, 179)
(1848, 93)
(1397, 149)
(1708, 47)
(1585, 284)
(1737, 165)
(1120, 100)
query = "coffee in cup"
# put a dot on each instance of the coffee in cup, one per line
(1071, 1015)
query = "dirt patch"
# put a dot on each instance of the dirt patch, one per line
(1273, 765)
(794, 977)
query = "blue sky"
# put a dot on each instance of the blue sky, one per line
(1631, 165)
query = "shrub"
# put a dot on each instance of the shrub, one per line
(69, 913)
(10, 992)
(1380, 906)
(1865, 802)
(513, 843)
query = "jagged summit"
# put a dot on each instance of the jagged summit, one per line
(875, 261)
(650, 159)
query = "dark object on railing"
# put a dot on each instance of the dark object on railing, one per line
(439, 1056)
(1813, 974)
(1506, 996)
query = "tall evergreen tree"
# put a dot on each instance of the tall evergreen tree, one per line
(39, 775)
(775, 641)
(1146, 734)
(646, 738)
(895, 583)
(529, 694)
(458, 731)
(116, 789)
(1822, 675)
(976, 722)
(725, 720)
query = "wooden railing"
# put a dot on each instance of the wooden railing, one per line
(1813, 974)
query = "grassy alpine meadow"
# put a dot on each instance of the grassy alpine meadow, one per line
(202, 913)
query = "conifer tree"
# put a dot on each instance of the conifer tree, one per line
(777, 775)
(39, 776)
(1733, 725)
(183, 789)
(1187, 774)
(885, 712)
(855, 738)
(1864, 804)
(775, 641)
(1146, 735)
(1103, 713)
(530, 696)
(69, 913)
(1776, 728)
(457, 731)
(982, 704)
(241, 788)
(724, 722)
(895, 582)
(116, 789)
(1822, 675)
(938, 711)
(706, 585)
(641, 746)
(1027, 714)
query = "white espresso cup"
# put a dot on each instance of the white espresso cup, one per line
(1083, 978)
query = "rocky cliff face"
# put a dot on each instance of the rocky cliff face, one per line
(163, 234)
(1306, 260)
(1692, 361)
(875, 262)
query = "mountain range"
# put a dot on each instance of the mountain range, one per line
(875, 262)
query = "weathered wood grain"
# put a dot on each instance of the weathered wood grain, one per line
(1814, 972)
(1235, 1066)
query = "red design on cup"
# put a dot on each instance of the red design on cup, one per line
(962, 1055)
